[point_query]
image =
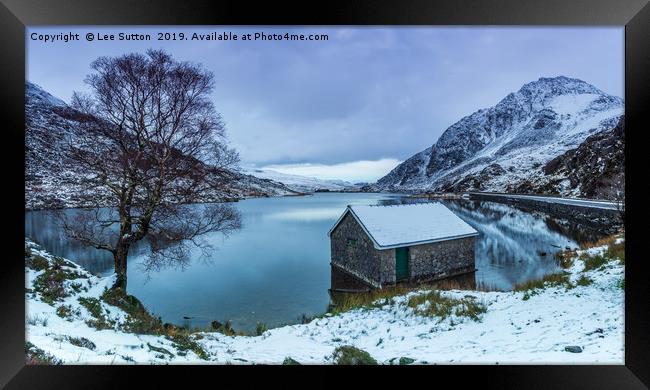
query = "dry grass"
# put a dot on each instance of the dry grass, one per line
(593, 261)
(36, 356)
(434, 304)
(139, 320)
(550, 280)
(584, 281)
(376, 298)
(601, 242)
(616, 251)
(565, 258)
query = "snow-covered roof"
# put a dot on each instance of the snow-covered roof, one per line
(408, 224)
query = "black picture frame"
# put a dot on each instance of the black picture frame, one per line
(633, 14)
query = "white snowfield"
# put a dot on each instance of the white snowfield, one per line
(512, 331)
(418, 223)
(301, 183)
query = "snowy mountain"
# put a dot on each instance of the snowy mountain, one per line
(502, 147)
(595, 169)
(52, 181)
(302, 183)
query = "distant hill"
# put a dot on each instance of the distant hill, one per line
(303, 183)
(53, 181)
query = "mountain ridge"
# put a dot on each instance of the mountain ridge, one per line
(53, 181)
(302, 183)
(502, 145)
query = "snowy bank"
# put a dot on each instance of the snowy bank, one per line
(576, 317)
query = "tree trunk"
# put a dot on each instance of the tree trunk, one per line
(119, 257)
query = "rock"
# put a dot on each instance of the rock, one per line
(216, 325)
(405, 361)
(573, 349)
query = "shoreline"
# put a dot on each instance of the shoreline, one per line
(387, 329)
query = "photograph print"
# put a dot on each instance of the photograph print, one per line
(324, 195)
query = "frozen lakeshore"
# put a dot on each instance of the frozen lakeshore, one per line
(71, 323)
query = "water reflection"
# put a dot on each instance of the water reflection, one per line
(513, 246)
(307, 215)
(277, 267)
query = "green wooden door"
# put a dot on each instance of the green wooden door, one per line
(401, 263)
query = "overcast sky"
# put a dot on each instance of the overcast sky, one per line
(354, 106)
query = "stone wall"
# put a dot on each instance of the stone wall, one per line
(387, 263)
(353, 251)
(441, 259)
(343, 281)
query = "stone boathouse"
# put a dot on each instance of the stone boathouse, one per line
(383, 245)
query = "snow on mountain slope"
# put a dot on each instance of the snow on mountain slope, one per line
(301, 183)
(496, 148)
(53, 181)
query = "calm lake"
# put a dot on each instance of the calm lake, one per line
(276, 268)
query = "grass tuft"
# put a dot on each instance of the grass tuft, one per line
(565, 258)
(616, 251)
(226, 328)
(290, 362)
(593, 261)
(349, 355)
(36, 356)
(51, 283)
(550, 280)
(184, 342)
(305, 319)
(94, 307)
(434, 304)
(36, 262)
(37, 320)
(260, 328)
(139, 320)
(66, 312)
(82, 342)
(584, 281)
(366, 300)
(159, 350)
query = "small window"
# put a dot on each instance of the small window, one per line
(351, 243)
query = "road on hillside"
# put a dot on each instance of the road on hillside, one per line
(598, 204)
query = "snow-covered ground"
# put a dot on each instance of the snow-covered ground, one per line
(518, 327)
(301, 183)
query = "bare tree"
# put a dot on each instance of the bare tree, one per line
(150, 143)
